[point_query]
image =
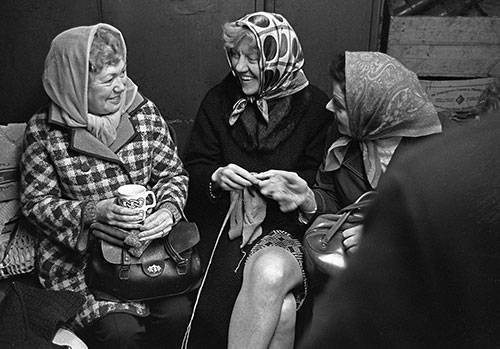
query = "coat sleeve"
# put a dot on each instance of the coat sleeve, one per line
(324, 188)
(41, 195)
(168, 179)
(320, 119)
(204, 156)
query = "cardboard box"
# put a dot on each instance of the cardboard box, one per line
(11, 138)
(458, 96)
(464, 47)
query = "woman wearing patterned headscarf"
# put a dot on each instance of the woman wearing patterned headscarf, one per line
(264, 115)
(98, 133)
(380, 109)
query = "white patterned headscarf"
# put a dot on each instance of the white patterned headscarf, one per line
(281, 60)
(385, 102)
(66, 77)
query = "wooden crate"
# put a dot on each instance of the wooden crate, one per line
(457, 96)
(446, 46)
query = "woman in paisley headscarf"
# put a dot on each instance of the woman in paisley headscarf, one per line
(98, 133)
(263, 115)
(380, 110)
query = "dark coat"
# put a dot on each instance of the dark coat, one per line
(214, 144)
(337, 189)
(427, 272)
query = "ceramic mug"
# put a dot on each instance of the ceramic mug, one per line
(135, 196)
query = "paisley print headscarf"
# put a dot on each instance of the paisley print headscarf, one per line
(66, 77)
(385, 102)
(281, 61)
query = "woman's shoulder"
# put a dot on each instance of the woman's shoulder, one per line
(227, 89)
(142, 105)
(311, 97)
(39, 120)
(41, 115)
(317, 93)
(145, 110)
(310, 103)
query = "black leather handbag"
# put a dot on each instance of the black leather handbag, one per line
(324, 251)
(169, 266)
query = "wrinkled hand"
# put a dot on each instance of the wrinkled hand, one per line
(233, 177)
(156, 225)
(286, 188)
(352, 236)
(109, 212)
(108, 233)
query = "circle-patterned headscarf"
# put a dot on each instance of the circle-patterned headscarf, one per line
(281, 61)
(384, 101)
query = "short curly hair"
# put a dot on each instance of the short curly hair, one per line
(107, 49)
(234, 33)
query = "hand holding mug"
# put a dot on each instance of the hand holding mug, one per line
(129, 209)
(135, 196)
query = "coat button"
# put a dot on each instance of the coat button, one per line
(85, 167)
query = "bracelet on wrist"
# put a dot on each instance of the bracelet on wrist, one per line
(211, 189)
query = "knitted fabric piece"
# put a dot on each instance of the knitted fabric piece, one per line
(30, 317)
(248, 214)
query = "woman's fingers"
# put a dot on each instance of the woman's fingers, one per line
(156, 225)
(233, 177)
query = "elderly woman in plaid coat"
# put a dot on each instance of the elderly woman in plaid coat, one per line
(98, 133)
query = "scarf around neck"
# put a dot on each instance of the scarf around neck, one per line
(385, 102)
(280, 61)
(65, 80)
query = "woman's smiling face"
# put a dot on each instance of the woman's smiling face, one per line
(106, 88)
(245, 62)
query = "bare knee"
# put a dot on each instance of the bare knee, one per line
(272, 269)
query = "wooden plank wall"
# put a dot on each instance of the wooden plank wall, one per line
(446, 46)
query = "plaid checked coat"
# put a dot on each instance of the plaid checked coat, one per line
(63, 168)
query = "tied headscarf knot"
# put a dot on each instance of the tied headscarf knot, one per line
(242, 103)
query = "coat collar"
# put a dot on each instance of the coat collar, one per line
(84, 142)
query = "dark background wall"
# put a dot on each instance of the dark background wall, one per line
(174, 48)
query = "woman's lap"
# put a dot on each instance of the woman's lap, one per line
(163, 328)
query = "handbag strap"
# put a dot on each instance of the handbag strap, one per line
(181, 263)
(363, 201)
